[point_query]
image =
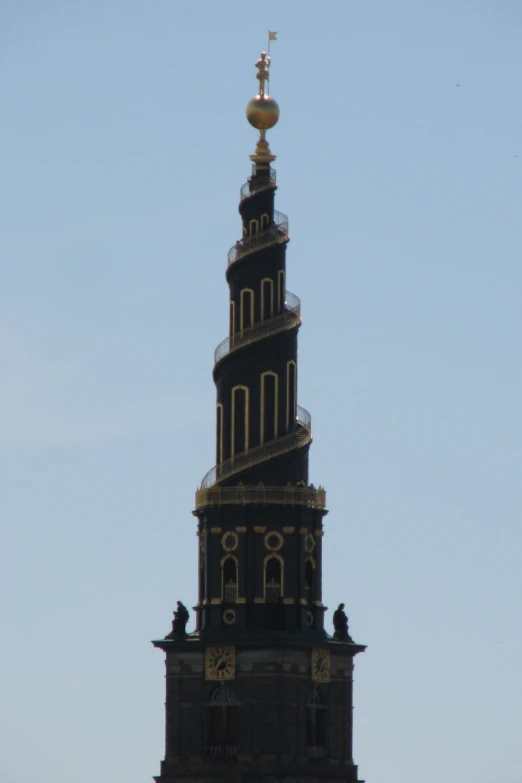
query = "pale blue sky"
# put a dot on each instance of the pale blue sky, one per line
(124, 146)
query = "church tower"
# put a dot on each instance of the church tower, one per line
(260, 691)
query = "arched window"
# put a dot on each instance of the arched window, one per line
(246, 310)
(269, 406)
(254, 227)
(274, 575)
(309, 578)
(232, 324)
(316, 712)
(291, 409)
(219, 433)
(223, 722)
(267, 298)
(240, 420)
(229, 579)
(280, 289)
(265, 221)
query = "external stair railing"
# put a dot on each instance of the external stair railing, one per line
(274, 235)
(290, 317)
(256, 184)
(241, 495)
(273, 448)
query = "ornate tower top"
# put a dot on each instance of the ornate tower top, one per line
(263, 113)
(259, 690)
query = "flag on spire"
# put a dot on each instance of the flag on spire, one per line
(272, 35)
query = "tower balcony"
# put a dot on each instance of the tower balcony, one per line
(256, 184)
(290, 317)
(310, 497)
(275, 235)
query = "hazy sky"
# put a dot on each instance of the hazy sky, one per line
(124, 145)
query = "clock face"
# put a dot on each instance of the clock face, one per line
(220, 663)
(321, 665)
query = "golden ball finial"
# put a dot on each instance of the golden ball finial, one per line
(262, 112)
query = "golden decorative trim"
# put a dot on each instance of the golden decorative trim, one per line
(278, 323)
(274, 556)
(266, 280)
(319, 532)
(242, 324)
(247, 459)
(309, 543)
(304, 602)
(215, 601)
(280, 541)
(290, 413)
(288, 600)
(289, 530)
(233, 427)
(276, 235)
(257, 184)
(216, 529)
(259, 600)
(219, 423)
(303, 531)
(230, 541)
(241, 529)
(272, 374)
(318, 603)
(280, 288)
(240, 600)
(232, 312)
(229, 616)
(260, 529)
(240, 496)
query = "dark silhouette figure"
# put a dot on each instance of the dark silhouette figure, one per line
(340, 622)
(181, 617)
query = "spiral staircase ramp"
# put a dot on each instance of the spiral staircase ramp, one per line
(210, 492)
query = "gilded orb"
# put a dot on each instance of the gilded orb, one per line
(262, 112)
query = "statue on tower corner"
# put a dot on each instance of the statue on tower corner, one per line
(181, 617)
(340, 621)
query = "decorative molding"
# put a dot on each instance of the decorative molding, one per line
(215, 601)
(260, 529)
(216, 529)
(241, 529)
(289, 530)
(288, 600)
(259, 600)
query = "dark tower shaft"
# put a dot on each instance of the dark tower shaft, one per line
(259, 688)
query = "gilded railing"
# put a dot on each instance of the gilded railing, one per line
(241, 495)
(285, 320)
(272, 593)
(272, 236)
(256, 184)
(273, 448)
